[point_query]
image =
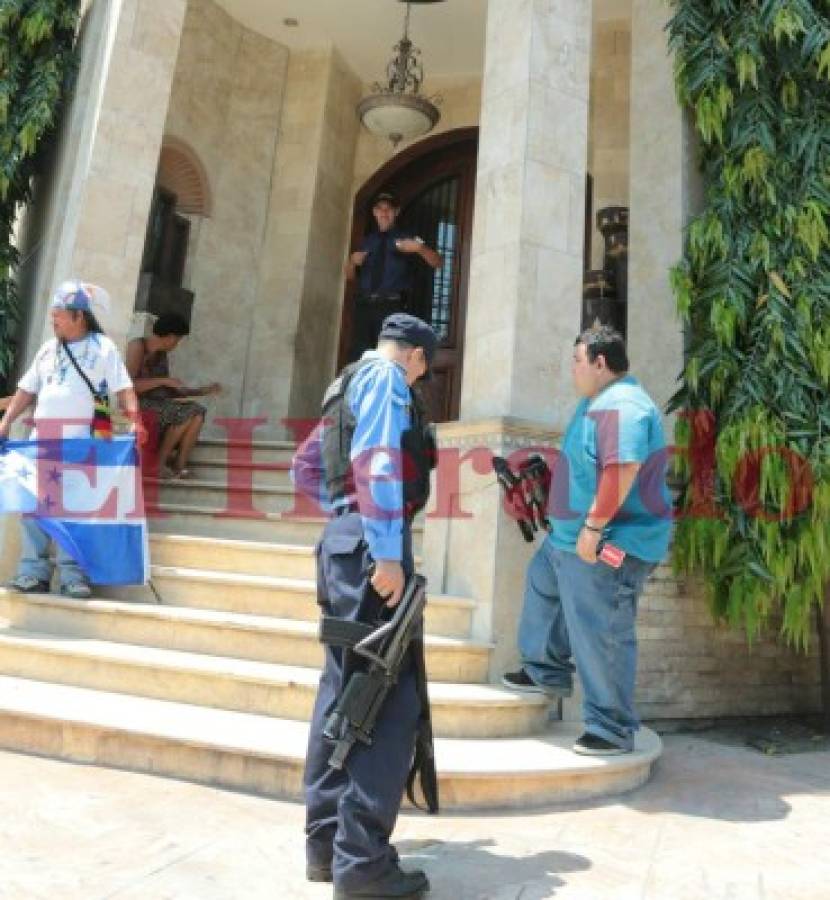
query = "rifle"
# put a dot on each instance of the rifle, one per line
(527, 492)
(362, 699)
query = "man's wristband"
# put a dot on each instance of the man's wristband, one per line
(593, 528)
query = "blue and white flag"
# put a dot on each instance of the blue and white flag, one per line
(85, 494)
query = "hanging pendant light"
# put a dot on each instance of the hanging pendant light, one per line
(396, 110)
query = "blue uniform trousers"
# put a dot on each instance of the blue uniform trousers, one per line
(350, 813)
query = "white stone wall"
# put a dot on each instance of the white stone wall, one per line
(281, 267)
(226, 103)
(318, 328)
(296, 324)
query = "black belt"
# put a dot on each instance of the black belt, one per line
(382, 298)
(344, 509)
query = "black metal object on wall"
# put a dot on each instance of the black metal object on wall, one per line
(605, 290)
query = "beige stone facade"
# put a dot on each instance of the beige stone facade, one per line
(564, 89)
(226, 103)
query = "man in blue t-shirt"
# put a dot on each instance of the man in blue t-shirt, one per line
(609, 490)
(385, 259)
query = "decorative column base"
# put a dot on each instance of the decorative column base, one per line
(472, 547)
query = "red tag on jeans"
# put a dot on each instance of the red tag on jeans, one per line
(611, 555)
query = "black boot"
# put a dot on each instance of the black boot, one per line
(318, 872)
(394, 883)
(321, 872)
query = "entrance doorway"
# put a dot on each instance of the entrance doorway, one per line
(435, 183)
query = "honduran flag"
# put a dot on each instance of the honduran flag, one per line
(85, 494)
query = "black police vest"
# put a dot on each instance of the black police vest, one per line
(418, 450)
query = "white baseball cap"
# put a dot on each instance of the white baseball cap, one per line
(82, 295)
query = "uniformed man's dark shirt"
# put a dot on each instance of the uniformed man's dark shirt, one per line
(385, 271)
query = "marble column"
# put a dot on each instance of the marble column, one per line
(664, 190)
(526, 267)
(93, 221)
(90, 213)
(524, 303)
(293, 337)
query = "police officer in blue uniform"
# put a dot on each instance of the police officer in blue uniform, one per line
(386, 258)
(370, 425)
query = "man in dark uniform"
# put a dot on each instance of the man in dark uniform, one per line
(371, 451)
(386, 258)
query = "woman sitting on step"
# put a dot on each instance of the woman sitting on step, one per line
(165, 402)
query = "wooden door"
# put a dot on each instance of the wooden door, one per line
(436, 189)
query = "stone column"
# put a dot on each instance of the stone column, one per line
(524, 305)
(90, 215)
(226, 105)
(526, 268)
(293, 338)
(94, 221)
(664, 189)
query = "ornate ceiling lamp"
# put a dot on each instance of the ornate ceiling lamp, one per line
(396, 110)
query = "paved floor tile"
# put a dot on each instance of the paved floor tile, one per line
(715, 823)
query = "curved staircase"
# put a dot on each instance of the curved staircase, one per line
(210, 673)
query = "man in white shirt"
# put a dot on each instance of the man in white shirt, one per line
(64, 408)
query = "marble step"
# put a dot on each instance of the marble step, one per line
(261, 474)
(218, 555)
(258, 638)
(216, 632)
(237, 452)
(262, 595)
(221, 494)
(244, 685)
(264, 754)
(212, 522)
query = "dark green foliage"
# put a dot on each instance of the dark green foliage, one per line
(37, 60)
(753, 289)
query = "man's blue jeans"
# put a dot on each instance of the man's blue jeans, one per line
(588, 612)
(34, 556)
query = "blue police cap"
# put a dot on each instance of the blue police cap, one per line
(411, 330)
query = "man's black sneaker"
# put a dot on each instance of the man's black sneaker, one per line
(318, 872)
(522, 682)
(394, 883)
(593, 745)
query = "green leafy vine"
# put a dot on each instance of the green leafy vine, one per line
(753, 290)
(37, 61)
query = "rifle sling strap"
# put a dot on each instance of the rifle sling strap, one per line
(423, 763)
